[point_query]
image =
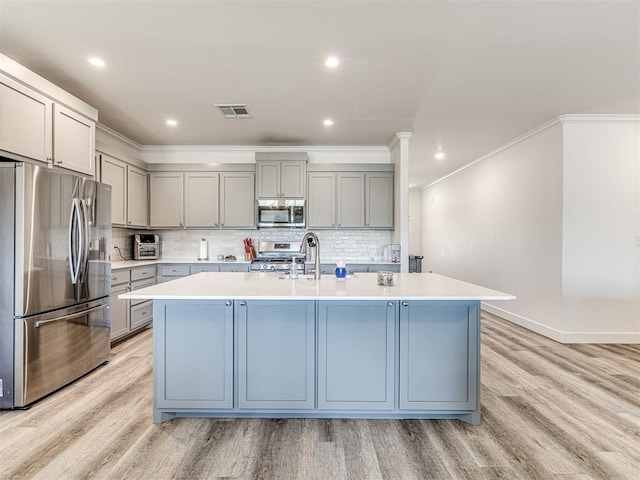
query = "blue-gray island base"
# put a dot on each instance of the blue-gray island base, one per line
(260, 345)
(323, 359)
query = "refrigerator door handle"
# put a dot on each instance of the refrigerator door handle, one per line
(75, 247)
(41, 323)
(84, 247)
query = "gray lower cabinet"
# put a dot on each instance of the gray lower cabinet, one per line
(205, 267)
(194, 365)
(356, 355)
(439, 355)
(373, 267)
(129, 316)
(234, 267)
(119, 307)
(171, 272)
(276, 354)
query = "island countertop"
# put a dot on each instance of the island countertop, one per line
(273, 286)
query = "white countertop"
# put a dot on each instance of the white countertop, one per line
(270, 286)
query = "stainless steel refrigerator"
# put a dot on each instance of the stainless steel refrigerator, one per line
(55, 274)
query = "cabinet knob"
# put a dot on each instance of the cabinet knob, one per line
(405, 303)
(390, 304)
(227, 303)
(243, 303)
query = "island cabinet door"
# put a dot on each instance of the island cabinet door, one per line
(276, 356)
(193, 361)
(439, 355)
(356, 355)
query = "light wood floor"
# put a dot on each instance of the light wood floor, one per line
(550, 411)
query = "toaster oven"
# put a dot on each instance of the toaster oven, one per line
(146, 247)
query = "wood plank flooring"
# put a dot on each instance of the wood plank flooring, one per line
(549, 411)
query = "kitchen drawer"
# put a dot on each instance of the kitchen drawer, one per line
(137, 285)
(141, 273)
(234, 267)
(141, 314)
(210, 267)
(174, 270)
(120, 276)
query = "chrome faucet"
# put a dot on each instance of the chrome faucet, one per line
(311, 240)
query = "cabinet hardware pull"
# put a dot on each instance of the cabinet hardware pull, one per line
(243, 303)
(390, 304)
(228, 303)
(405, 304)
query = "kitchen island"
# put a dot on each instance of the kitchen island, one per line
(265, 345)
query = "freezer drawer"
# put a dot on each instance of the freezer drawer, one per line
(57, 348)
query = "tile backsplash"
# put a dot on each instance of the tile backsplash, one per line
(347, 245)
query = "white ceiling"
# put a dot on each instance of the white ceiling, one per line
(464, 76)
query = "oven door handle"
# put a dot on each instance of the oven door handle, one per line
(68, 317)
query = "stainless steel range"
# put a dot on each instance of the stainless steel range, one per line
(277, 257)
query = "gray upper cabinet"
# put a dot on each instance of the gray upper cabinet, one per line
(350, 199)
(114, 173)
(321, 200)
(37, 127)
(184, 200)
(350, 202)
(201, 200)
(281, 179)
(166, 196)
(379, 200)
(237, 200)
(26, 121)
(74, 141)
(128, 192)
(137, 197)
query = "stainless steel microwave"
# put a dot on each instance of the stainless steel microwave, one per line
(280, 213)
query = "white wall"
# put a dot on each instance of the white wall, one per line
(497, 223)
(553, 218)
(600, 208)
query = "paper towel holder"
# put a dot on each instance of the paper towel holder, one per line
(204, 250)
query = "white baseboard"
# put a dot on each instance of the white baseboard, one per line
(561, 336)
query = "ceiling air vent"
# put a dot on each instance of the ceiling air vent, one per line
(234, 110)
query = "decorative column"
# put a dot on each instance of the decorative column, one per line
(399, 150)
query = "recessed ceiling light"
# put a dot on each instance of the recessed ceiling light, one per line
(97, 62)
(171, 122)
(328, 122)
(332, 62)
(439, 156)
